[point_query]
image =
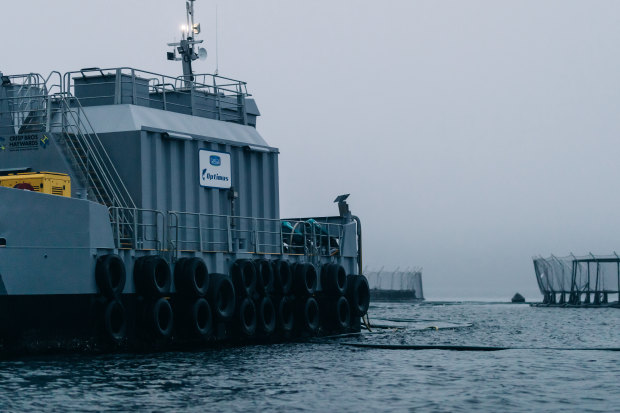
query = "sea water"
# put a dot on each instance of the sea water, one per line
(546, 369)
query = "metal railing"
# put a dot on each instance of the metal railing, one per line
(28, 109)
(198, 232)
(409, 279)
(23, 104)
(86, 151)
(191, 231)
(575, 280)
(312, 237)
(207, 95)
(145, 231)
(223, 233)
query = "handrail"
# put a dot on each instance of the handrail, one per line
(135, 233)
(193, 231)
(207, 95)
(74, 121)
(68, 77)
(177, 231)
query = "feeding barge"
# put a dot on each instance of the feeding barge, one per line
(138, 209)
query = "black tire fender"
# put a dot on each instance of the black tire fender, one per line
(191, 277)
(286, 314)
(200, 318)
(221, 296)
(310, 315)
(152, 276)
(334, 279)
(114, 321)
(160, 318)
(342, 314)
(305, 279)
(283, 275)
(110, 275)
(266, 315)
(243, 273)
(358, 294)
(246, 317)
(265, 282)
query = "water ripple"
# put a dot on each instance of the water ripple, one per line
(325, 375)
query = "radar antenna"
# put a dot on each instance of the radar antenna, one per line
(185, 50)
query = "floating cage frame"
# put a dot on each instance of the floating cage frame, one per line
(579, 281)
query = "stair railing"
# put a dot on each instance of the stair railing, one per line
(89, 157)
(97, 165)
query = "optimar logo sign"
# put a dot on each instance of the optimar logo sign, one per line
(215, 160)
(215, 170)
(206, 176)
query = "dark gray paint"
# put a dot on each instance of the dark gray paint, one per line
(2, 287)
(107, 90)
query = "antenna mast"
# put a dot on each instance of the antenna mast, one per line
(217, 46)
(186, 48)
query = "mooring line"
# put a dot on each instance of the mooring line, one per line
(395, 327)
(470, 348)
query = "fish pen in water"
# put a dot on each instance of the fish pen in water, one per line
(395, 285)
(589, 281)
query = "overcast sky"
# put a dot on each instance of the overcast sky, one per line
(471, 135)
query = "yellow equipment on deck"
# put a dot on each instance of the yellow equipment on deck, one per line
(45, 182)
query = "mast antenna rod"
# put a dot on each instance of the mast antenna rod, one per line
(189, 6)
(186, 48)
(217, 43)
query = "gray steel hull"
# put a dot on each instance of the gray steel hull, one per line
(49, 299)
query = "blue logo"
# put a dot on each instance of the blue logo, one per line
(215, 160)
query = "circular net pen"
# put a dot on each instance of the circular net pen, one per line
(579, 280)
(395, 285)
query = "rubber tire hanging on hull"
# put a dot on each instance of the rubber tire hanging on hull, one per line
(152, 276)
(246, 317)
(159, 318)
(305, 280)
(195, 318)
(265, 282)
(283, 275)
(338, 313)
(266, 316)
(114, 321)
(358, 294)
(110, 275)
(286, 314)
(221, 296)
(191, 277)
(310, 315)
(243, 273)
(334, 279)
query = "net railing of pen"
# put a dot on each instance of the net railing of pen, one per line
(396, 280)
(578, 279)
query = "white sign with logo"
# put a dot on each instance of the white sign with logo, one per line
(214, 169)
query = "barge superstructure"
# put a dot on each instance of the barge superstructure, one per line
(143, 209)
